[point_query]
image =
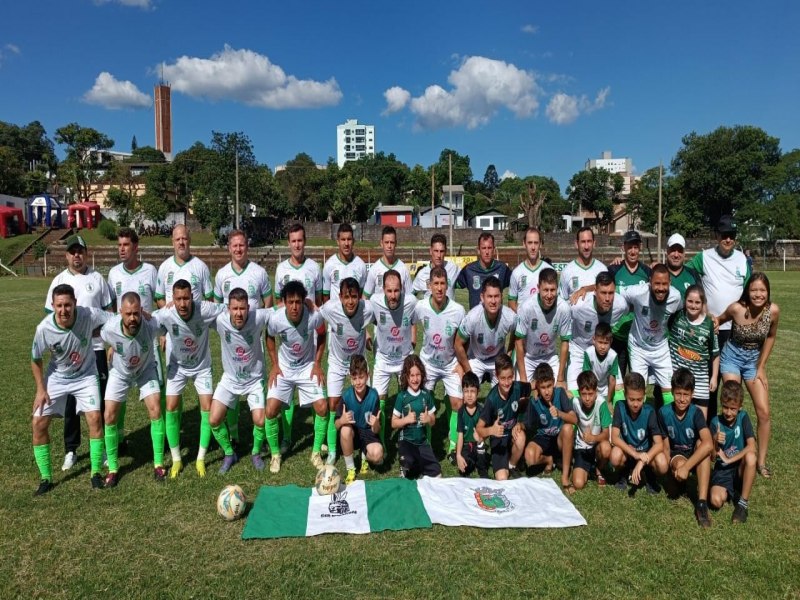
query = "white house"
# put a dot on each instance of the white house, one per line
(455, 194)
(438, 217)
(489, 220)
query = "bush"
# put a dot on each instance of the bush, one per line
(108, 229)
(39, 249)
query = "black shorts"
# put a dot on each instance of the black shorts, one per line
(585, 458)
(501, 452)
(476, 457)
(416, 460)
(727, 478)
(548, 444)
(701, 402)
(363, 437)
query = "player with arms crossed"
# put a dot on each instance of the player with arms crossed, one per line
(525, 277)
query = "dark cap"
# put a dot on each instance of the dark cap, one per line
(726, 224)
(632, 236)
(76, 240)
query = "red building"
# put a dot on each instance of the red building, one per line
(397, 216)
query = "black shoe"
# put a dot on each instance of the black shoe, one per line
(483, 474)
(651, 482)
(513, 473)
(45, 485)
(702, 516)
(451, 457)
(622, 484)
(739, 514)
(111, 480)
(97, 481)
(123, 449)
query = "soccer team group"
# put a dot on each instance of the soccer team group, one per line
(569, 359)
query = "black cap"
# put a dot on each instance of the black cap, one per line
(726, 224)
(632, 236)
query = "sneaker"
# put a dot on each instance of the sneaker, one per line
(258, 462)
(286, 445)
(70, 458)
(514, 473)
(111, 480)
(702, 516)
(45, 485)
(316, 460)
(483, 474)
(275, 463)
(323, 449)
(227, 463)
(200, 466)
(364, 467)
(651, 483)
(622, 484)
(177, 467)
(351, 476)
(451, 457)
(331, 460)
(159, 474)
(97, 481)
(601, 481)
(739, 514)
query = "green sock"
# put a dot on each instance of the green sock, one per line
(320, 429)
(383, 423)
(222, 436)
(287, 418)
(173, 427)
(123, 408)
(112, 445)
(157, 437)
(668, 398)
(453, 429)
(271, 429)
(180, 413)
(96, 454)
(259, 436)
(42, 456)
(232, 421)
(619, 395)
(332, 434)
(205, 430)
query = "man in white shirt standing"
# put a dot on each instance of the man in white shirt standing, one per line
(438, 252)
(579, 275)
(525, 277)
(388, 261)
(342, 265)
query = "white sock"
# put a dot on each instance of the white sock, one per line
(176, 454)
(201, 453)
(349, 462)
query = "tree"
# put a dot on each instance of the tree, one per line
(462, 173)
(491, 181)
(134, 145)
(595, 190)
(84, 158)
(678, 214)
(27, 159)
(146, 154)
(418, 192)
(12, 172)
(301, 183)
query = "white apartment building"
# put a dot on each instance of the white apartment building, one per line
(623, 166)
(354, 140)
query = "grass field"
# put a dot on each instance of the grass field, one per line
(145, 540)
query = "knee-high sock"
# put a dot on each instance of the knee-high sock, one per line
(271, 429)
(453, 429)
(259, 436)
(180, 413)
(123, 408)
(157, 437)
(42, 456)
(173, 427)
(205, 435)
(320, 429)
(332, 434)
(668, 398)
(287, 418)
(232, 420)
(223, 437)
(96, 454)
(112, 445)
(383, 423)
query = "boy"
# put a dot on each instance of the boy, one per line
(500, 418)
(687, 440)
(470, 449)
(592, 446)
(735, 450)
(358, 420)
(548, 418)
(601, 359)
(636, 438)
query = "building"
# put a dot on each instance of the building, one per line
(439, 216)
(489, 220)
(353, 141)
(622, 219)
(163, 114)
(398, 216)
(623, 166)
(454, 194)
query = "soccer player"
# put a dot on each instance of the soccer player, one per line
(592, 433)
(440, 317)
(543, 330)
(347, 317)
(342, 265)
(133, 275)
(297, 364)
(358, 420)
(475, 273)
(395, 316)
(681, 276)
(470, 449)
(242, 273)
(687, 441)
(241, 333)
(438, 251)
(500, 419)
(182, 265)
(579, 275)
(72, 371)
(133, 364)
(385, 263)
(525, 277)
(652, 306)
(187, 324)
(91, 291)
(600, 359)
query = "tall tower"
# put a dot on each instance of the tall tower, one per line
(163, 107)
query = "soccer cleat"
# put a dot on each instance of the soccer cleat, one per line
(227, 463)
(651, 483)
(258, 462)
(111, 480)
(601, 481)
(451, 457)
(622, 484)
(97, 481)
(45, 485)
(286, 445)
(324, 448)
(702, 516)
(739, 514)
(331, 460)
(364, 467)
(351, 476)
(159, 474)
(513, 472)
(70, 458)
(175, 470)
(275, 463)
(316, 460)
(200, 467)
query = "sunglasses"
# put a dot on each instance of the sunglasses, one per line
(727, 234)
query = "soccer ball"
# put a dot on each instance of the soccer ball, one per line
(327, 481)
(231, 503)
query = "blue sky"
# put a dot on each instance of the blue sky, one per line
(532, 87)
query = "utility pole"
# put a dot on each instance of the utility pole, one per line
(433, 197)
(660, 175)
(237, 186)
(450, 195)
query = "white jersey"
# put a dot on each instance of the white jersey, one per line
(194, 270)
(336, 270)
(308, 274)
(585, 319)
(132, 354)
(393, 328)
(525, 281)
(649, 330)
(542, 329)
(91, 291)
(243, 349)
(440, 331)
(298, 342)
(347, 336)
(377, 270)
(253, 279)
(70, 349)
(487, 341)
(189, 338)
(603, 369)
(593, 420)
(723, 278)
(424, 276)
(575, 276)
(143, 280)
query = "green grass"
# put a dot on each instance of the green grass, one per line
(143, 540)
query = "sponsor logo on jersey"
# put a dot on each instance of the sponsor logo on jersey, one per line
(654, 324)
(134, 361)
(544, 339)
(352, 343)
(493, 500)
(437, 339)
(395, 331)
(75, 358)
(188, 342)
(297, 348)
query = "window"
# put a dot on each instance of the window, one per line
(361, 148)
(350, 156)
(485, 222)
(401, 218)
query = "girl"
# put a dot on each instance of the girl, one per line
(413, 413)
(755, 325)
(693, 344)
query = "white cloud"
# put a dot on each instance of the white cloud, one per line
(13, 48)
(7, 50)
(396, 99)
(480, 87)
(112, 93)
(145, 4)
(564, 109)
(530, 29)
(248, 77)
(508, 175)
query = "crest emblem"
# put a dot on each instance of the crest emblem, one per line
(426, 321)
(89, 287)
(534, 323)
(587, 327)
(228, 337)
(174, 329)
(523, 281)
(645, 310)
(476, 282)
(492, 500)
(339, 329)
(119, 349)
(118, 288)
(382, 319)
(226, 287)
(335, 276)
(480, 338)
(575, 283)
(170, 278)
